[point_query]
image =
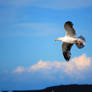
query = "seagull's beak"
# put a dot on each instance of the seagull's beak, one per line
(56, 40)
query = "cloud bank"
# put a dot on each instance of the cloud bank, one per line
(80, 63)
(77, 68)
(48, 73)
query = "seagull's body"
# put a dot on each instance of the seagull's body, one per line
(70, 39)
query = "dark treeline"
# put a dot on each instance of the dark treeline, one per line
(62, 88)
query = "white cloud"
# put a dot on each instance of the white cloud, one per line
(19, 69)
(75, 66)
(82, 62)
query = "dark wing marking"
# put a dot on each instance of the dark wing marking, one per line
(66, 47)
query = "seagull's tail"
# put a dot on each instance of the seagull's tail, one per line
(80, 43)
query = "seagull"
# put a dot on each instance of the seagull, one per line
(69, 40)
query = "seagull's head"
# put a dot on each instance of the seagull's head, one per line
(59, 39)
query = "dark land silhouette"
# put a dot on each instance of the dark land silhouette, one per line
(61, 88)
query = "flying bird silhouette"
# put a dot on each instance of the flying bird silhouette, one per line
(70, 39)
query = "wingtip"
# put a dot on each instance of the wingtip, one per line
(67, 60)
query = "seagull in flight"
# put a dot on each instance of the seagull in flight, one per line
(70, 39)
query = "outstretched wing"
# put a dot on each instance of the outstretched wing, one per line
(66, 47)
(69, 29)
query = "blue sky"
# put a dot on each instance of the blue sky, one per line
(28, 52)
